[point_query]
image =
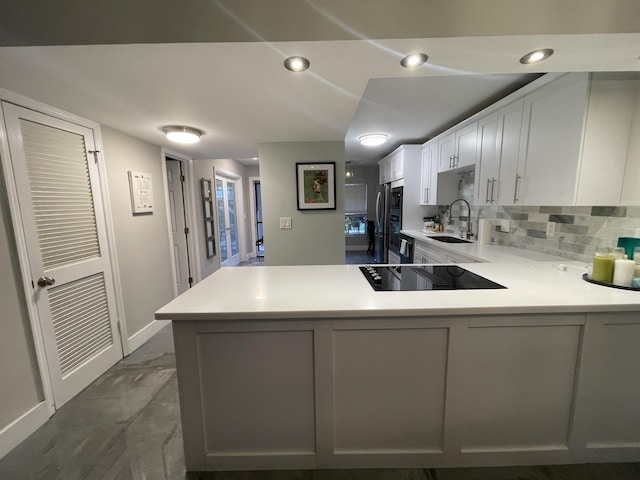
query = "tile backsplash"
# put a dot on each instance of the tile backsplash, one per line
(578, 230)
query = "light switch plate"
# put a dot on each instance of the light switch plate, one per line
(504, 225)
(551, 229)
(285, 223)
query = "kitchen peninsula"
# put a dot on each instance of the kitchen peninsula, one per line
(309, 367)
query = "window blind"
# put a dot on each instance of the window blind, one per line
(355, 198)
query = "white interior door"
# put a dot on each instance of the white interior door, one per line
(227, 193)
(179, 232)
(60, 203)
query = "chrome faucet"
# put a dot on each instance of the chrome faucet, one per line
(469, 233)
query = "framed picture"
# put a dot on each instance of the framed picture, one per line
(316, 184)
(207, 210)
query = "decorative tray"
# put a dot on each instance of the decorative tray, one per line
(584, 277)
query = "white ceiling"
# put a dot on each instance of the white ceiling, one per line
(239, 94)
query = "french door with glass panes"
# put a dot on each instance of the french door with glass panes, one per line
(227, 200)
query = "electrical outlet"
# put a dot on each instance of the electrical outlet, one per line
(551, 229)
(505, 225)
(285, 223)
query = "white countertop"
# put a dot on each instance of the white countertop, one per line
(341, 291)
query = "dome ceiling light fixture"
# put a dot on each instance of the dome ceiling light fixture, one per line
(373, 139)
(296, 64)
(180, 134)
(536, 56)
(414, 60)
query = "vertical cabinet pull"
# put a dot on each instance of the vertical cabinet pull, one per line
(428, 194)
(515, 190)
(486, 197)
(493, 188)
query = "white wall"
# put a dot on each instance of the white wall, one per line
(142, 241)
(317, 237)
(19, 376)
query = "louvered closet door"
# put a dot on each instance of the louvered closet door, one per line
(64, 225)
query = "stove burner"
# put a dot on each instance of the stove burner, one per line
(425, 277)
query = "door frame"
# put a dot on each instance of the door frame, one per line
(20, 238)
(241, 211)
(252, 211)
(190, 214)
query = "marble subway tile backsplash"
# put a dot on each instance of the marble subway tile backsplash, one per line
(577, 231)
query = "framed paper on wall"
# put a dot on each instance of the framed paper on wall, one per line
(316, 186)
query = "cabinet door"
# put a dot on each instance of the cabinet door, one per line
(508, 145)
(446, 152)
(466, 146)
(487, 161)
(397, 166)
(429, 174)
(384, 171)
(552, 130)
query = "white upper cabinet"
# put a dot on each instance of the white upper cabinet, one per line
(487, 164)
(508, 147)
(391, 167)
(429, 174)
(458, 149)
(575, 140)
(631, 185)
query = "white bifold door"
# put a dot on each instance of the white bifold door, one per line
(60, 203)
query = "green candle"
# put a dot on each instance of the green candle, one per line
(603, 268)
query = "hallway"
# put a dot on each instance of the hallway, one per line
(126, 426)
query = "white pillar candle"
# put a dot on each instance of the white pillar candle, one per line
(623, 272)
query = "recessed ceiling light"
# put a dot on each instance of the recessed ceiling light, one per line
(296, 64)
(414, 60)
(373, 139)
(536, 56)
(180, 134)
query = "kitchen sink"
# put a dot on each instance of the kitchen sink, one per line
(444, 238)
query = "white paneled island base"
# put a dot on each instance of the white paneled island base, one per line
(430, 390)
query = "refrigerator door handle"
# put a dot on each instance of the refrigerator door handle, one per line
(378, 208)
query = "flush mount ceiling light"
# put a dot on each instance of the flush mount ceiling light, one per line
(180, 134)
(373, 139)
(414, 60)
(296, 64)
(536, 56)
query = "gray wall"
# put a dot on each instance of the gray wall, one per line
(19, 375)
(142, 241)
(317, 237)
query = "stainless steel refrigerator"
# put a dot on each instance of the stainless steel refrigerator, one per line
(382, 223)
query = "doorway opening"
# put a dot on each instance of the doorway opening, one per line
(179, 226)
(229, 205)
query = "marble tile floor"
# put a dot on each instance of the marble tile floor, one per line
(357, 257)
(126, 426)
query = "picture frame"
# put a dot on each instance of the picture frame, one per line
(207, 211)
(316, 185)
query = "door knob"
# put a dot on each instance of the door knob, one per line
(45, 281)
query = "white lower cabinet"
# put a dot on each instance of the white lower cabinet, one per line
(420, 391)
(428, 253)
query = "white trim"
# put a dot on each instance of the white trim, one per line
(148, 331)
(190, 213)
(17, 431)
(111, 240)
(23, 260)
(252, 212)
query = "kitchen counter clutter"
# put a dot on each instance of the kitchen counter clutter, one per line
(307, 367)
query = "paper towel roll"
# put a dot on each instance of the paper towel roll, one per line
(484, 231)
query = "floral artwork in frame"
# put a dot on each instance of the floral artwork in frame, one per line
(316, 186)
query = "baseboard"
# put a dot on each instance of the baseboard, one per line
(17, 431)
(141, 336)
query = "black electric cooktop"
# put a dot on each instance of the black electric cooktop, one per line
(424, 277)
